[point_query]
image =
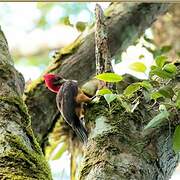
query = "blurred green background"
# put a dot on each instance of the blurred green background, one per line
(34, 30)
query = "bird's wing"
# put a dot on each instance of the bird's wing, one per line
(66, 104)
(66, 100)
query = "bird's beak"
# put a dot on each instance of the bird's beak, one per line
(45, 76)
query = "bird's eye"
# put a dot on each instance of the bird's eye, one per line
(82, 118)
(55, 82)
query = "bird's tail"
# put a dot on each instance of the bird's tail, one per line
(81, 132)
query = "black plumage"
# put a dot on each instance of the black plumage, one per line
(66, 103)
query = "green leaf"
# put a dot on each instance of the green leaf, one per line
(81, 26)
(66, 21)
(131, 89)
(164, 114)
(161, 73)
(153, 67)
(156, 95)
(138, 66)
(178, 101)
(60, 152)
(146, 85)
(109, 77)
(110, 97)
(170, 68)
(167, 92)
(176, 139)
(160, 61)
(104, 91)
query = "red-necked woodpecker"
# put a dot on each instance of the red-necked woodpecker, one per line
(69, 99)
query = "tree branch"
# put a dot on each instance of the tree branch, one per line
(103, 57)
(125, 23)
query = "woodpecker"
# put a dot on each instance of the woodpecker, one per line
(70, 99)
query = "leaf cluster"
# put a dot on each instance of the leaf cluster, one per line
(161, 89)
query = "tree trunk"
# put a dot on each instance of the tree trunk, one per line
(20, 154)
(119, 148)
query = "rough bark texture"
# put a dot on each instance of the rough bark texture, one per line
(103, 57)
(125, 23)
(118, 148)
(20, 154)
(166, 30)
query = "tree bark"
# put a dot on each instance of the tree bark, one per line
(118, 148)
(166, 30)
(20, 154)
(125, 23)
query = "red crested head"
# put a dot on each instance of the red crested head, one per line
(53, 82)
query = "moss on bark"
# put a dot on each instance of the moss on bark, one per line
(20, 154)
(120, 150)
